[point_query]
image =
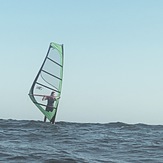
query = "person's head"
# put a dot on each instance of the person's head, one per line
(52, 93)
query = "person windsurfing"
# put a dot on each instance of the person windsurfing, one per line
(50, 102)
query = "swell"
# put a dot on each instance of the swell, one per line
(35, 141)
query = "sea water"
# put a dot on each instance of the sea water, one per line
(38, 142)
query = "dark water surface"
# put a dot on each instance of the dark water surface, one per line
(35, 141)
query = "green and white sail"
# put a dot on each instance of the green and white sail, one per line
(48, 79)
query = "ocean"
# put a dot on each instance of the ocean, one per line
(34, 141)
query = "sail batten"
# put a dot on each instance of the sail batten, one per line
(55, 62)
(48, 87)
(48, 79)
(51, 74)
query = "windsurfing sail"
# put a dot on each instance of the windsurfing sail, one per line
(49, 79)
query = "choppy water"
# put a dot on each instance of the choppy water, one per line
(35, 141)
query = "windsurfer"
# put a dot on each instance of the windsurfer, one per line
(50, 101)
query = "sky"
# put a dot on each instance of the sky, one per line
(113, 57)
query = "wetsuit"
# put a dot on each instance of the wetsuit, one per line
(50, 103)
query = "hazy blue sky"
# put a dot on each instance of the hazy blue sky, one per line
(113, 65)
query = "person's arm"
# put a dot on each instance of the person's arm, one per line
(44, 98)
(58, 97)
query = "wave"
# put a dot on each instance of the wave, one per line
(115, 142)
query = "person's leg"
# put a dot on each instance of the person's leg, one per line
(45, 119)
